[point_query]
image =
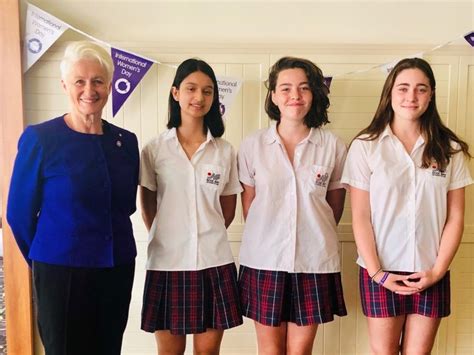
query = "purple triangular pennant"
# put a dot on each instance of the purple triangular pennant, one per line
(470, 38)
(129, 71)
(327, 81)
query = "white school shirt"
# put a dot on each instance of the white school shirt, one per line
(408, 203)
(290, 226)
(188, 232)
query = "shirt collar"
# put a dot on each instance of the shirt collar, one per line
(210, 138)
(387, 132)
(314, 136)
(172, 134)
(271, 135)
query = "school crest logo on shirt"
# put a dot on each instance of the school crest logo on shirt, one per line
(436, 171)
(321, 179)
(213, 178)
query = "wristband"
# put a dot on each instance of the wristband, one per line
(376, 273)
(384, 278)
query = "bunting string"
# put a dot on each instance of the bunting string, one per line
(43, 29)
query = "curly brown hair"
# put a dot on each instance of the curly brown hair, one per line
(317, 115)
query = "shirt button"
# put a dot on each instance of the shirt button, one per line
(108, 237)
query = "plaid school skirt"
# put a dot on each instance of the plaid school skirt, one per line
(272, 297)
(190, 302)
(380, 302)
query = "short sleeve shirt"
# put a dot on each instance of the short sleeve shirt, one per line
(188, 232)
(290, 226)
(408, 203)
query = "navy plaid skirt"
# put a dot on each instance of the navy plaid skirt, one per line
(190, 302)
(380, 302)
(272, 297)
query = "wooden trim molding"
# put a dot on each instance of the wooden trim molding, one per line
(18, 291)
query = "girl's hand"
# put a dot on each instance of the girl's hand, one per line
(423, 279)
(395, 283)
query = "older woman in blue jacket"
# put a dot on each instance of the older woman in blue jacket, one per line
(72, 192)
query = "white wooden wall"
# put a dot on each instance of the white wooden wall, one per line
(354, 98)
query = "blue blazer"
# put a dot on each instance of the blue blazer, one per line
(72, 194)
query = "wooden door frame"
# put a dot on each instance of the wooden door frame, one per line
(17, 275)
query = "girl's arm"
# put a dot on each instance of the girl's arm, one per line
(228, 204)
(450, 240)
(335, 199)
(365, 241)
(247, 197)
(148, 205)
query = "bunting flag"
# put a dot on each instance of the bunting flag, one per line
(327, 81)
(387, 67)
(470, 38)
(129, 71)
(228, 89)
(41, 31)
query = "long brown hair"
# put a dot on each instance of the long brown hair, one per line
(437, 136)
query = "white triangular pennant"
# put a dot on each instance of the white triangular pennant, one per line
(41, 31)
(228, 89)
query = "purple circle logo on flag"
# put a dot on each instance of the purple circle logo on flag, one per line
(222, 109)
(34, 45)
(122, 86)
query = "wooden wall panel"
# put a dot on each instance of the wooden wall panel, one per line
(354, 97)
(19, 316)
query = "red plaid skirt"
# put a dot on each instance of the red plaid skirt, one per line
(272, 297)
(190, 302)
(379, 302)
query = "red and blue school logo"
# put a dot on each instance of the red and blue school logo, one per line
(213, 178)
(436, 171)
(321, 179)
